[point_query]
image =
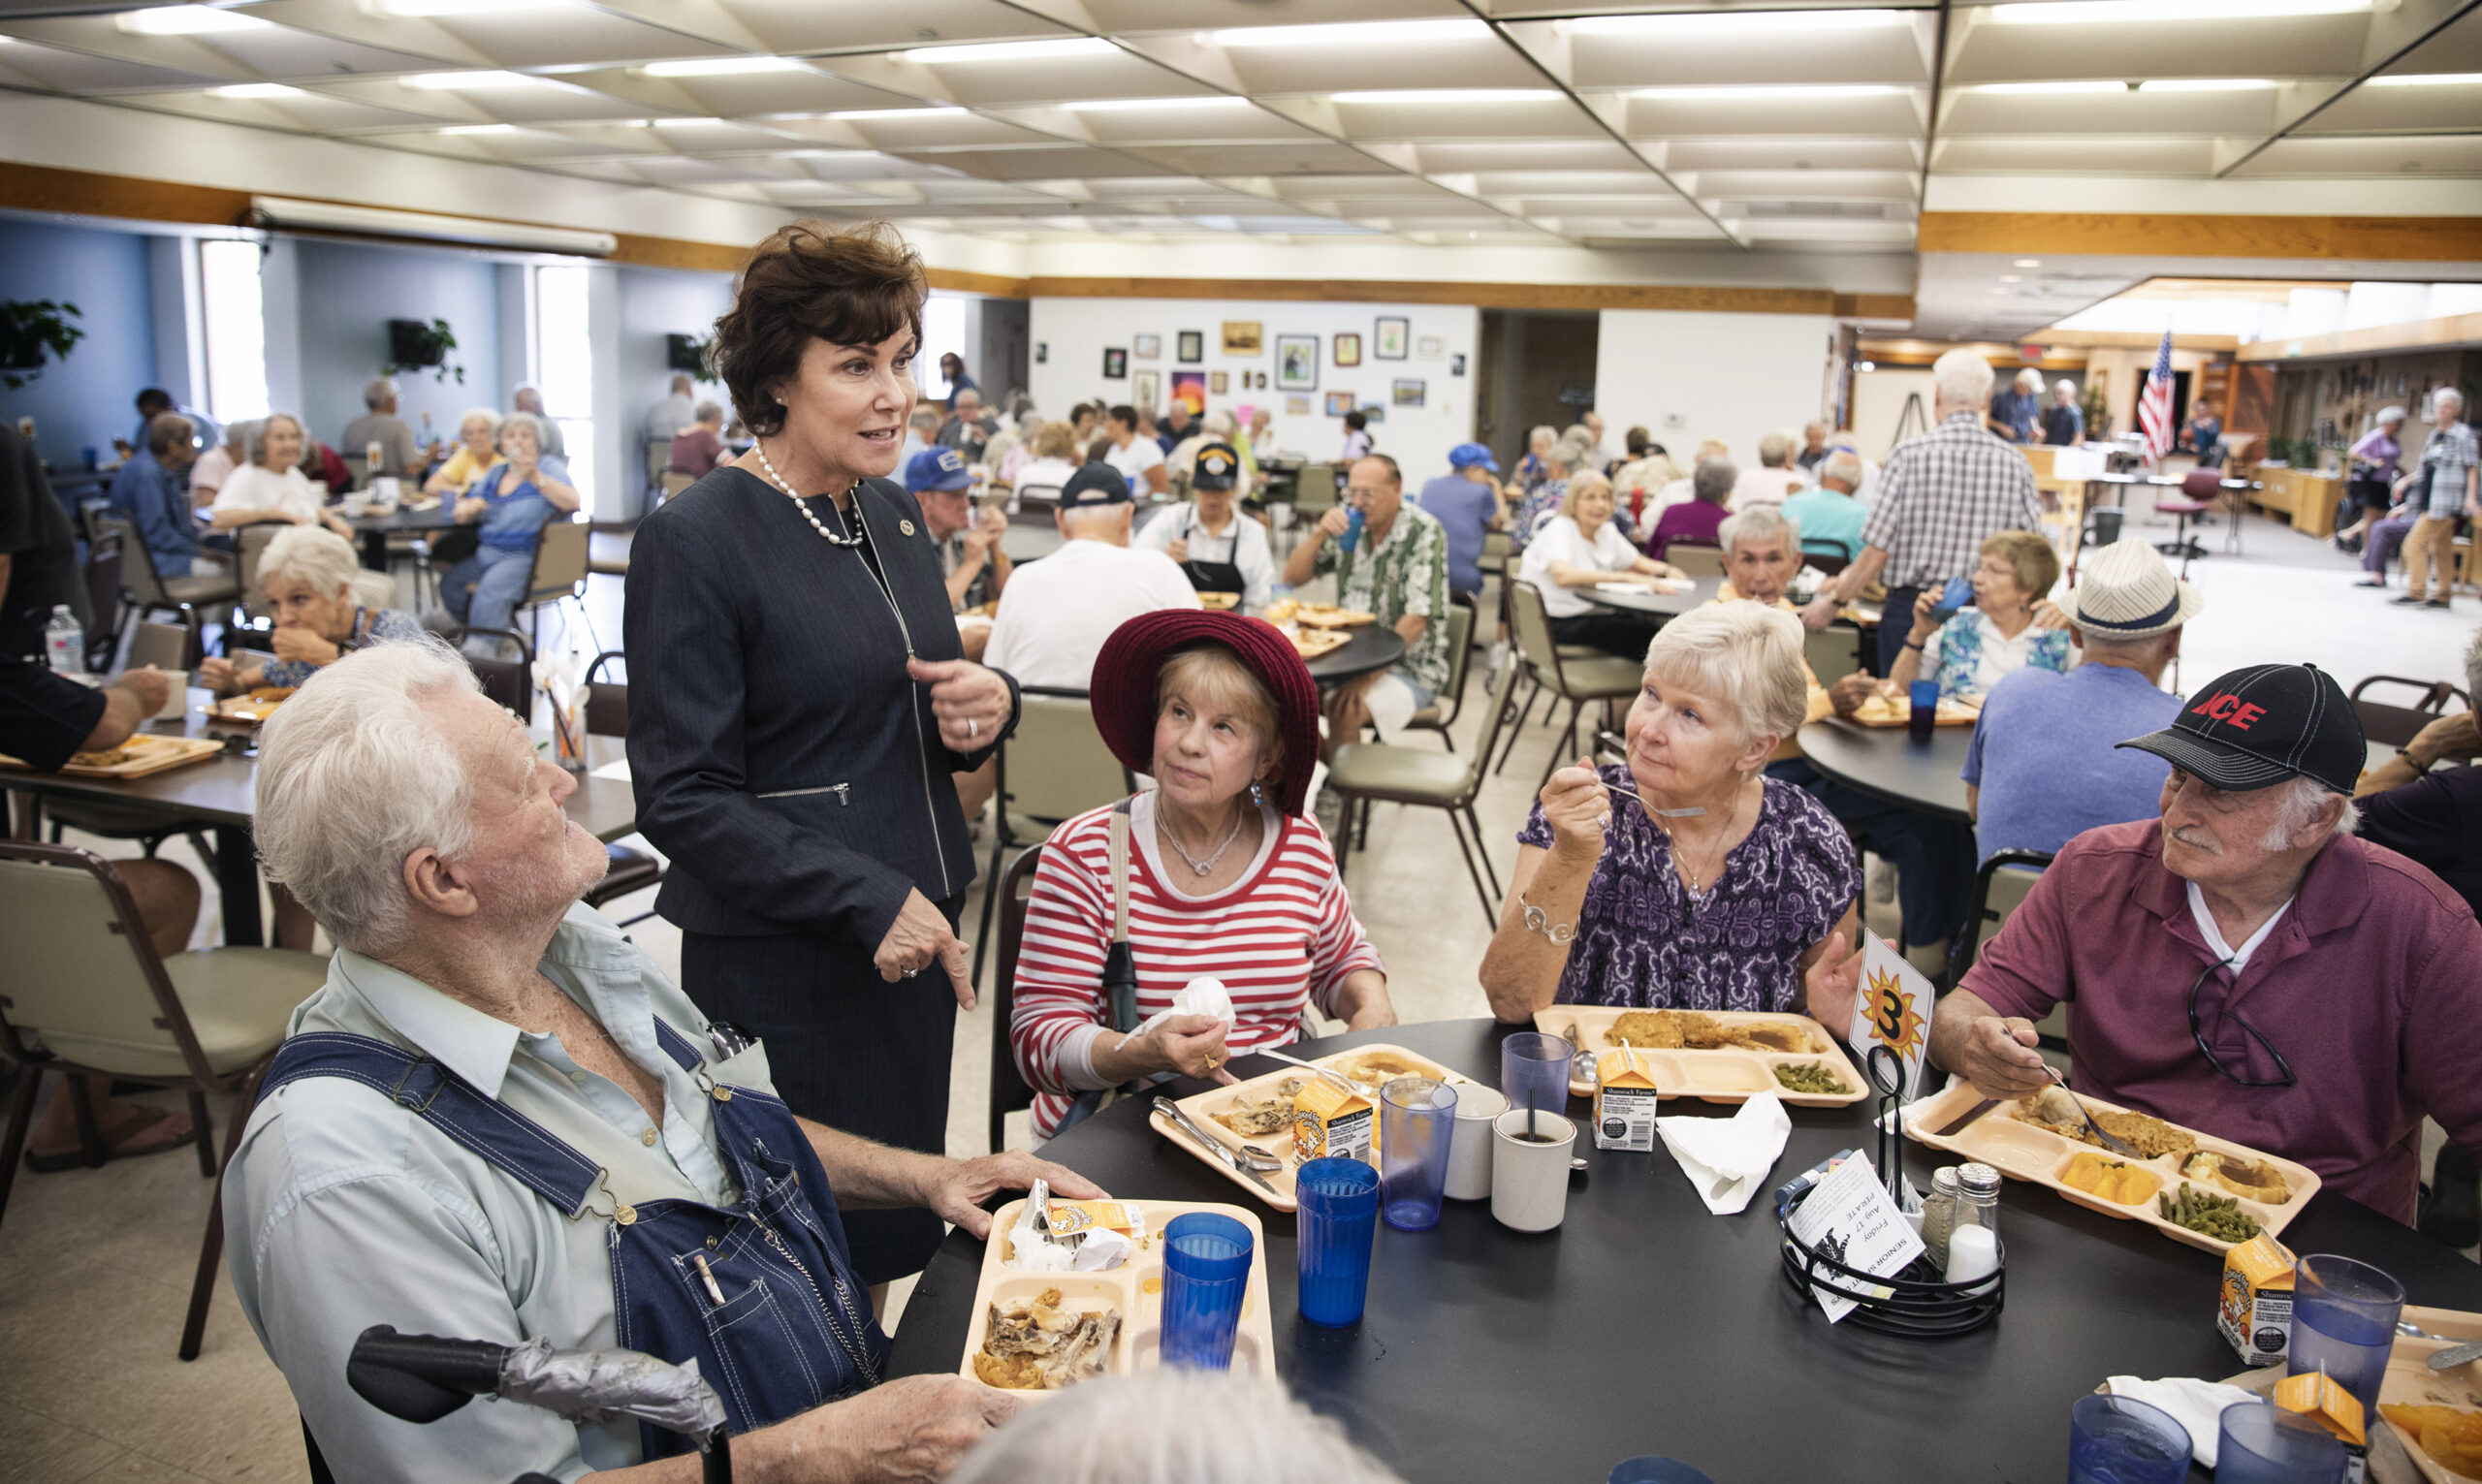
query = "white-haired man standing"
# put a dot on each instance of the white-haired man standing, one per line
(1939, 497)
(2245, 966)
(498, 1121)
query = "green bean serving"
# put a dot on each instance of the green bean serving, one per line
(1810, 1077)
(2220, 1217)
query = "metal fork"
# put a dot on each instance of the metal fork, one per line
(2117, 1146)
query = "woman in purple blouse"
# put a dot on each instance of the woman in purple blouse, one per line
(1723, 889)
(2371, 468)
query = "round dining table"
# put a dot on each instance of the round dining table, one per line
(1372, 647)
(1630, 598)
(403, 521)
(1644, 1324)
(1886, 763)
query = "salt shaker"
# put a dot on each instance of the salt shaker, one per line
(1939, 1213)
(1977, 1198)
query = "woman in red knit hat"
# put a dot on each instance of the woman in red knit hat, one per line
(1227, 878)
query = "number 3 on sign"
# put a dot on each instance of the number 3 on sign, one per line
(1893, 1010)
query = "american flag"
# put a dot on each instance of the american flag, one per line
(2154, 404)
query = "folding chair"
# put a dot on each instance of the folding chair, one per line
(1053, 767)
(1578, 680)
(1010, 1092)
(559, 573)
(1696, 559)
(607, 715)
(1362, 772)
(1441, 713)
(509, 682)
(83, 993)
(2392, 726)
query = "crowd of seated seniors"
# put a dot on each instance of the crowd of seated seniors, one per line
(1228, 876)
(1715, 888)
(270, 487)
(508, 506)
(419, 824)
(2245, 966)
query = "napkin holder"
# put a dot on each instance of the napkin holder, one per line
(1915, 1304)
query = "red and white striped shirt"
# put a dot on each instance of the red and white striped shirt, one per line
(1284, 936)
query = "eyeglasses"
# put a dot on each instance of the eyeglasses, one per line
(2197, 1033)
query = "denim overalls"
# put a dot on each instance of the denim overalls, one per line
(761, 1296)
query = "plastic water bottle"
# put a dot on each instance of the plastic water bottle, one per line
(64, 642)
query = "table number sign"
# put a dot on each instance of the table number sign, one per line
(1892, 1008)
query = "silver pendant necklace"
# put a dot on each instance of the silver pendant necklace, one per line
(1206, 867)
(803, 506)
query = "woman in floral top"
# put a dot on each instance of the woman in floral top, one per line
(326, 605)
(2011, 625)
(1716, 887)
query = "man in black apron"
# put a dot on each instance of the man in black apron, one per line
(1216, 547)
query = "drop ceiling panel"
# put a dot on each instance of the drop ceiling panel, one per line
(2457, 49)
(531, 35)
(1552, 117)
(2375, 155)
(2409, 110)
(2051, 155)
(1046, 164)
(1308, 157)
(1549, 155)
(852, 26)
(681, 170)
(1282, 71)
(1601, 207)
(523, 145)
(1016, 83)
(1583, 182)
(1141, 18)
(2276, 46)
(801, 90)
(913, 129)
(1789, 154)
(55, 69)
(866, 165)
(1183, 124)
(303, 111)
(1801, 184)
(528, 100)
(1726, 113)
(1973, 110)
(273, 51)
(1815, 53)
(714, 135)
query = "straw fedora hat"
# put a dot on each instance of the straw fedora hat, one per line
(2126, 590)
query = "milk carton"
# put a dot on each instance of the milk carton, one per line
(2256, 1308)
(1624, 1102)
(1329, 1121)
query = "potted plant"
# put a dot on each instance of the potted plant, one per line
(33, 331)
(414, 347)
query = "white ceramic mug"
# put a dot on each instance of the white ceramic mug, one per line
(1469, 1149)
(1530, 1182)
(177, 703)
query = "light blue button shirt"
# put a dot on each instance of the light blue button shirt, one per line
(345, 1210)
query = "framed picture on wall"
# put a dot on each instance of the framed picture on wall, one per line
(1348, 347)
(1409, 391)
(1143, 388)
(1296, 406)
(1192, 347)
(1147, 347)
(1189, 388)
(1456, 365)
(1115, 362)
(1430, 347)
(1339, 403)
(1241, 337)
(1374, 413)
(1042, 352)
(1296, 362)
(1391, 334)
(1218, 382)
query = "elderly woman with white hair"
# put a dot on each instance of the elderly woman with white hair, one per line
(508, 506)
(478, 435)
(1583, 546)
(1685, 877)
(270, 488)
(2371, 468)
(326, 604)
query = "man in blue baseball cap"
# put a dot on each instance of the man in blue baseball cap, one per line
(1055, 615)
(970, 560)
(1467, 503)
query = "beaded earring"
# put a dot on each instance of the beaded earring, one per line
(1255, 797)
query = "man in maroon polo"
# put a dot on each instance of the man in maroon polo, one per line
(2245, 966)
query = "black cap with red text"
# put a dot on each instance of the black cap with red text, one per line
(2264, 724)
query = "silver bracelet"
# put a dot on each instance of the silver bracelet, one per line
(1537, 920)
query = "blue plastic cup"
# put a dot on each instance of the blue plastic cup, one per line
(1924, 715)
(1337, 1223)
(2261, 1443)
(2343, 1322)
(2116, 1441)
(1206, 1272)
(1534, 1071)
(1415, 1126)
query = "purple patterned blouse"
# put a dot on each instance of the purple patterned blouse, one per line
(1642, 943)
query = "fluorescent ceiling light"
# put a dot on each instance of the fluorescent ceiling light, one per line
(1733, 24)
(1012, 51)
(2029, 263)
(2427, 80)
(1439, 95)
(867, 115)
(1132, 104)
(256, 90)
(445, 81)
(480, 129)
(683, 123)
(186, 20)
(2204, 84)
(2082, 86)
(722, 65)
(2058, 12)
(381, 221)
(1777, 90)
(1356, 33)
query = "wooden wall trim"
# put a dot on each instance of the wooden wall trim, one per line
(1490, 295)
(2373, 339)
(2386, 239)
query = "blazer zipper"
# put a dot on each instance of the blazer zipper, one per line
(921, 748)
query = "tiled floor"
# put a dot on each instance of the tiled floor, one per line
(95, 1265)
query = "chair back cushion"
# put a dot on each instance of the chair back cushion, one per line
(2205, 485)
(1056, 766)
(137, 562)
(607, 700)
(71, 978)
(1315, 487)
(1010, 1092)
(1533, 625)
(1695, 561)
(1460, 644)
(559, 560)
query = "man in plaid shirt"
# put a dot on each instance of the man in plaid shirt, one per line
(1940, 497)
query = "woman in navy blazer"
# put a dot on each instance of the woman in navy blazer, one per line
(798, 701)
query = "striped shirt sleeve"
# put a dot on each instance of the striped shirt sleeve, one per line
(1060, 963)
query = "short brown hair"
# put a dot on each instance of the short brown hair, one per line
(2030, 558)
(810, 281)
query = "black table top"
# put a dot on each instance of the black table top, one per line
(438, 516)
(1373, 646)
(1887, 762)
(222, 790)
(1646, 600)
(1645, 1325)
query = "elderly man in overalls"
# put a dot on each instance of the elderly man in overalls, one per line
(499, 1121)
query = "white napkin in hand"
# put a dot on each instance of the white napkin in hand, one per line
(2197, 1405)
(1727, 1158)
(1203, 996)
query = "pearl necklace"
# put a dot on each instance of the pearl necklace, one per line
(1207, 866)
(803, 506)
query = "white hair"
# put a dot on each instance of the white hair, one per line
(1963, 378)
(1546, 430)
(524, 420)
(489, 417)
(2029, 377)
(2064, 385)
(377, 389)
(1746, 655)
(2449, 394)
(354, 776)
(256, 444)
(2298, 805)
(2390, 414)
(1199, 1427)
(1761, 526)
(1775, 451)
(1844, 464)
(326, 563)
(1220, 423)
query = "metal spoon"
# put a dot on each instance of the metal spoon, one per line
(1260, 1160)
(2455, 1355)
(1582, 1067)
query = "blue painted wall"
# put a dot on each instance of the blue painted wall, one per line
(86, 401)
(349, 292)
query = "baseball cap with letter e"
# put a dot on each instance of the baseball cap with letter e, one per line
(2263, 725)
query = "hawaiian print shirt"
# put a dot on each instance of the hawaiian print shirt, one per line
(1404, 575)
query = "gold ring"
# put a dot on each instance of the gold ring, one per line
(1211, 1063)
